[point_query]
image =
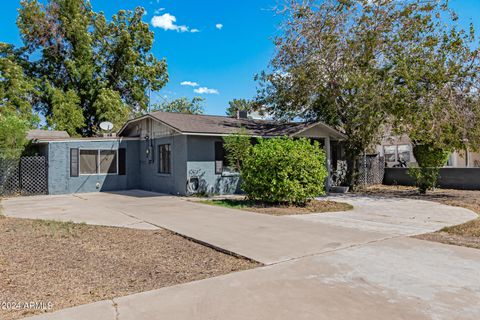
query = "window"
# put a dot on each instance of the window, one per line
(220, 161)
(164, 154)
(404, 152)
(74, 169)
(88, 161)
(390, 153)
(108, 161)
(98, 162)
(397, 153)
(122, 161)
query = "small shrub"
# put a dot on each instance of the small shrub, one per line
(283, 170)
(429, 159)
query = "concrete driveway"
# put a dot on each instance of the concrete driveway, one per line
(352, 265)
(264, 238)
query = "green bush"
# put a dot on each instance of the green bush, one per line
(237, 147)
(283, 170)
(429, 159)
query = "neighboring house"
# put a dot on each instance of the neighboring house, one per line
(398, 148)
(35, 135)
(165, 152)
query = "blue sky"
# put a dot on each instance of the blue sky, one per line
(223, 58)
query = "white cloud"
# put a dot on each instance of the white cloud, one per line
(219, 26)
(189, 83)
(194, 30)
(205, 90)
(157, 11)
(168, 22)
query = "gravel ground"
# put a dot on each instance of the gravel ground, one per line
(466, 234)
(68, 264)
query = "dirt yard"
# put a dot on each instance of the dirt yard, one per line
(466, 234)
(315, 206)
(59, 265)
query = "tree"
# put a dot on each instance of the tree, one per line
(347, 63)
(429, 159)
(284, 170)
(237, 147)
(328, 68)
(66, 113)
(239, 105)
(16, 89)
(182, 105)
(434, 96)
(13, 135)
(84, 62)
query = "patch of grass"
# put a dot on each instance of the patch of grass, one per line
(315, 206)
(468, 229)
(230, 203)
(56, 228)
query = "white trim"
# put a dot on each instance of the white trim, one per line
(217, 134)
(98, 162)
(147, 116)
(119, 139)
(253, 136)
(332, 134)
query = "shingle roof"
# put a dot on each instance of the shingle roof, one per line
(189, 123)
(46, 134)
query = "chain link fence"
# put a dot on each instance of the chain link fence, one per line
(371, 170)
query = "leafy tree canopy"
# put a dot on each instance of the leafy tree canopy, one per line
(363, 66)
(84, 69)
(16, 89)
(13, 131)
(182, 105)
(435, 89)
(239, 105)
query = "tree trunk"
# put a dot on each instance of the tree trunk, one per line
(352, 168)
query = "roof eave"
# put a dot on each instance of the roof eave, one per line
(149, 116)
(332, 132)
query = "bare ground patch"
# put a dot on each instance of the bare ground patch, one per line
(70, 264)
(315, 206)
(466, 234)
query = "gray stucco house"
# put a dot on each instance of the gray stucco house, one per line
(165, 152)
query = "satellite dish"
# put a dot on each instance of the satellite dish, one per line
(106, 126)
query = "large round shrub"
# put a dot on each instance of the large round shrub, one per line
(283, 170)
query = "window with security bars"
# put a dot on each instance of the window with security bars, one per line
(164, 159)
(98, 162)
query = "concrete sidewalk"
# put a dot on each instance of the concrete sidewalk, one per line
(394, 279)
